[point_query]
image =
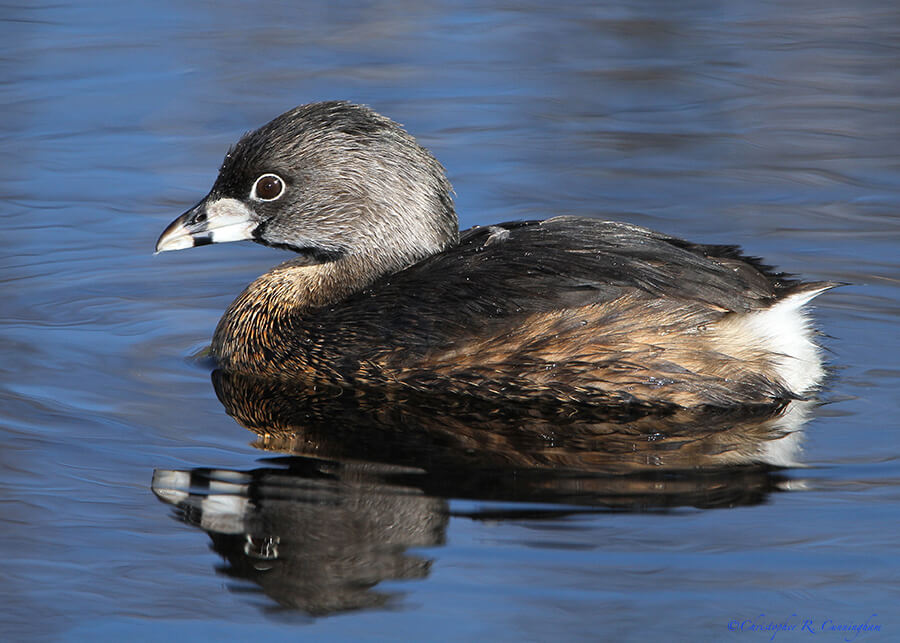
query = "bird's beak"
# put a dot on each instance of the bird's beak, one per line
(210, 221)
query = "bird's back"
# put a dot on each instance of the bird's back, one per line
(577, 310)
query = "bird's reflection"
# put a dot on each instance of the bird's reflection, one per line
(315, 536)
(368, 475)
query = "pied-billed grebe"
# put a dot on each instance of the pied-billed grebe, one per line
(386, 292)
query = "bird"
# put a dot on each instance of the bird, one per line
(384, 292)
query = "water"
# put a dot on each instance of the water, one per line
(772, 125)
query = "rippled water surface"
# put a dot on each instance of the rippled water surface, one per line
(137, 505)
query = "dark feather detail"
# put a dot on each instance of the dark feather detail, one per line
(567, 309)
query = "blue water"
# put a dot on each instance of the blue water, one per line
(770, 124)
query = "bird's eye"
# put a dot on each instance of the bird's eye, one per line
(268, 187)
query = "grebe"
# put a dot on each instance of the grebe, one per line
(385, 291)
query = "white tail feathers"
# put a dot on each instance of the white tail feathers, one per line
(785, 332)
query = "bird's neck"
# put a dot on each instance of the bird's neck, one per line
(259, 332)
